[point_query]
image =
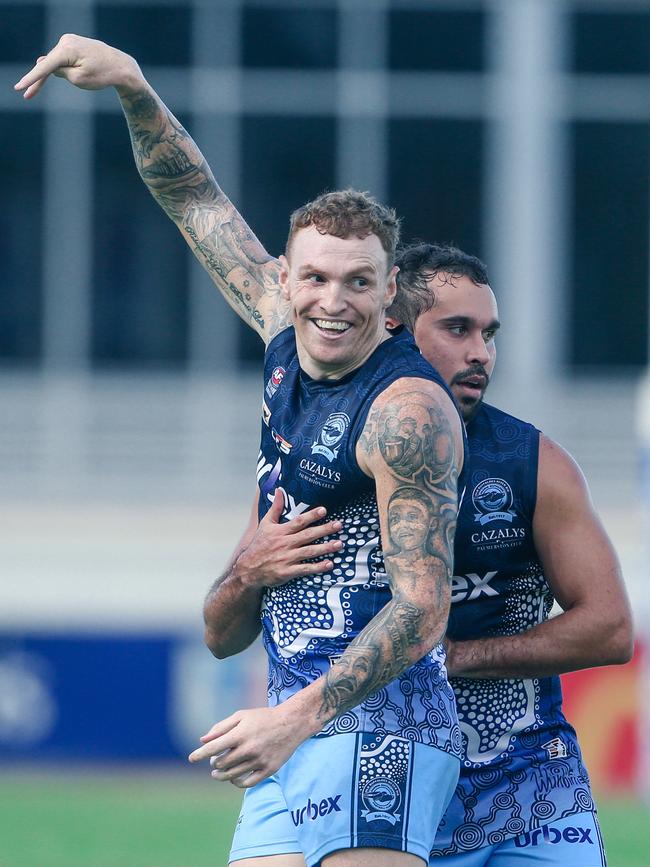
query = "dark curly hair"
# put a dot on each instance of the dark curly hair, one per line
(417, 264)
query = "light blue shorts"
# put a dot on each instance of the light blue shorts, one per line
(572, 842)
(346, 792)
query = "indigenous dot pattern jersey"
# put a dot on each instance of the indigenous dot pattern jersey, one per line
(310, 430)
(522, 765)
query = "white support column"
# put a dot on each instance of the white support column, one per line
(215, 101)
(361, 159)
(67, 210)
(526, 195)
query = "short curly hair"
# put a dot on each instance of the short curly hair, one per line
(348, 213)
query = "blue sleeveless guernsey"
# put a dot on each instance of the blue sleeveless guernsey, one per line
(523, 766)
(310, 430)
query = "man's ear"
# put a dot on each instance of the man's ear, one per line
(392, 323)
(391, 287)
(284, 277)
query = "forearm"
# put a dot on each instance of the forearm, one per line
(167, 158)
(232, 614)
(180, 180)
(396, 638)
(569, 642)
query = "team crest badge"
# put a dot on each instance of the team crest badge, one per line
(381, 797)
(385, 776)
(331, 434)
(493, 500)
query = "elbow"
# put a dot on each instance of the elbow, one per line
(229, 642)
(620, 645)
(217, 648)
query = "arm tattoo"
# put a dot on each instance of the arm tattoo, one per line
(381, 652)
(416, 443)
(180, 180)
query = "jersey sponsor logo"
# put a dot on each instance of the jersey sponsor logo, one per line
(331, 434)
(494, 535)
(549, 834)
(273, 472)
(492, 499)
(315, 469)
(275, 381)
(284, 445)
(471, 586)
(292, 508)
(315, 810)
(555, 748)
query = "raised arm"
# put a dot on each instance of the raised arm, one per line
(412, 446)
(584, 574)
(268, 554)
(178, 177)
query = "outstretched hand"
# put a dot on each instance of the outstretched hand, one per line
(86, 63)
(278, 552)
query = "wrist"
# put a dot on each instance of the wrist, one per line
(244, 575)
(131, 82)
(302, 710)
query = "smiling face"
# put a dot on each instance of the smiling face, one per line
(338, 290)
(457, 335)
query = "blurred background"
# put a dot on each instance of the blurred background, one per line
(517, 129)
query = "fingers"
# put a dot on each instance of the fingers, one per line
(235, 776)
(300, 527)
(239, 772)
(230, 766)
(295, 525)
(301, 570)
(244, 775)
(218, 747)
(33, 89)
(291, 567)
(220, 728)
(45, 66)
(311, 534)
(274, 514)
(251, 779)
(308, 552)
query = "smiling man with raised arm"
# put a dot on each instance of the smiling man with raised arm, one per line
(527, 534)
(354, 420)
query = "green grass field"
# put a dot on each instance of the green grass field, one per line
(183, 819)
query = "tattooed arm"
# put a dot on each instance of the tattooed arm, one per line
(412, 447)
(178, 177)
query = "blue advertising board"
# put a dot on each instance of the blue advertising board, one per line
(115, 697)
